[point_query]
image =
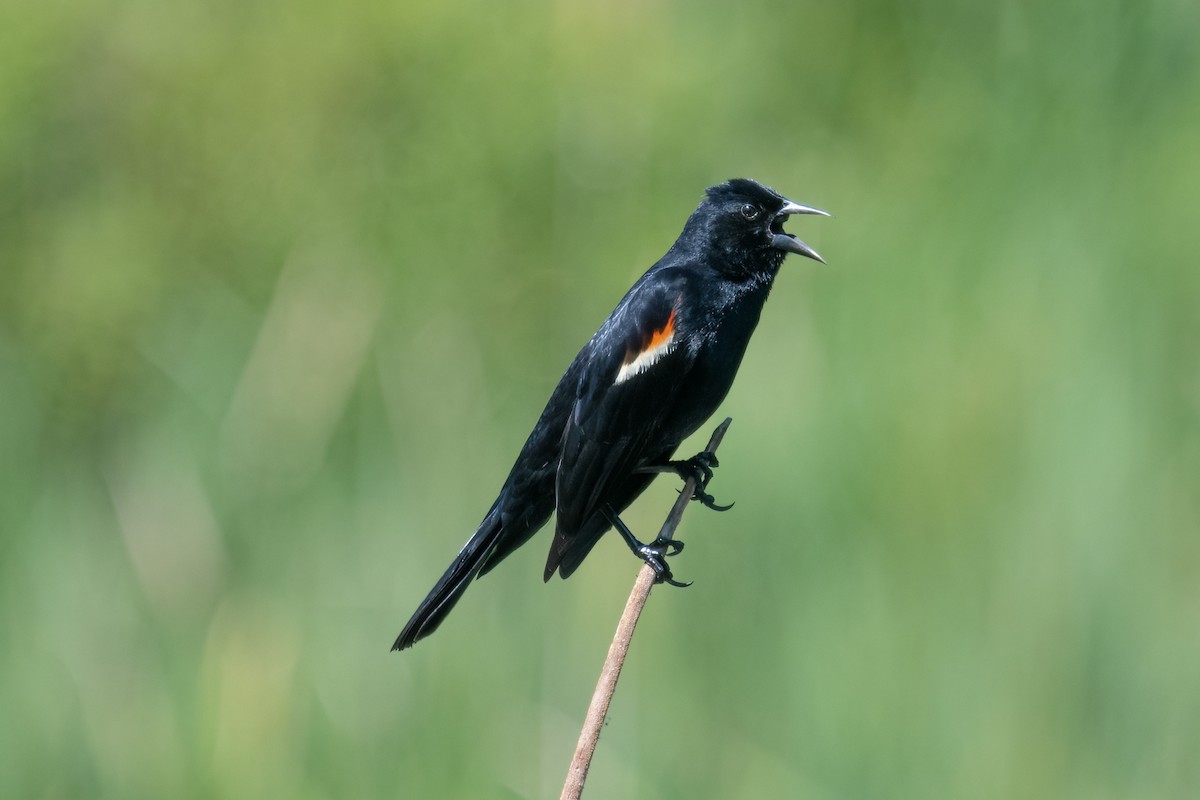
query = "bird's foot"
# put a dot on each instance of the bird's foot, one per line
(657, 562)
(655, 553)
(700, 467)
(708, 501)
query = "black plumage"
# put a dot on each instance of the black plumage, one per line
(655, 371)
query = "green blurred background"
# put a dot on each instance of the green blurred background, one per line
(286, 285)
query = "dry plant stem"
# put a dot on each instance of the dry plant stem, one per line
(598, 710)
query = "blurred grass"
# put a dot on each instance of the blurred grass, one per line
(286, 285)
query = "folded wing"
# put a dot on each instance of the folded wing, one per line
(636, 365)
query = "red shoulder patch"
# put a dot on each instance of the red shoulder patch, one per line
(660, 342)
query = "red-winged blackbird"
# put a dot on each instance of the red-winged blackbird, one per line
(654, 372)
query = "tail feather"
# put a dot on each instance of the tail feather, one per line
(453, 583)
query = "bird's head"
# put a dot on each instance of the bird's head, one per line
(745, 219)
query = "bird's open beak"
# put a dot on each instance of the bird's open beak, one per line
(784, 240)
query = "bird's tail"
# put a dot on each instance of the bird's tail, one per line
(453, 583)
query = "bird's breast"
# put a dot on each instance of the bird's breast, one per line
(718, 350)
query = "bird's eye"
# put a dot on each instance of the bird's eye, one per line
(750, 211)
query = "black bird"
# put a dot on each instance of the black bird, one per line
(654, 372)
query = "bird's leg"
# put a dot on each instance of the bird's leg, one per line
(655, 554)
(700, 467)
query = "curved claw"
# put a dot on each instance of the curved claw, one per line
(662, 573)
(673, 547)
(659, 550)
(708, 501)
(656, 554)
